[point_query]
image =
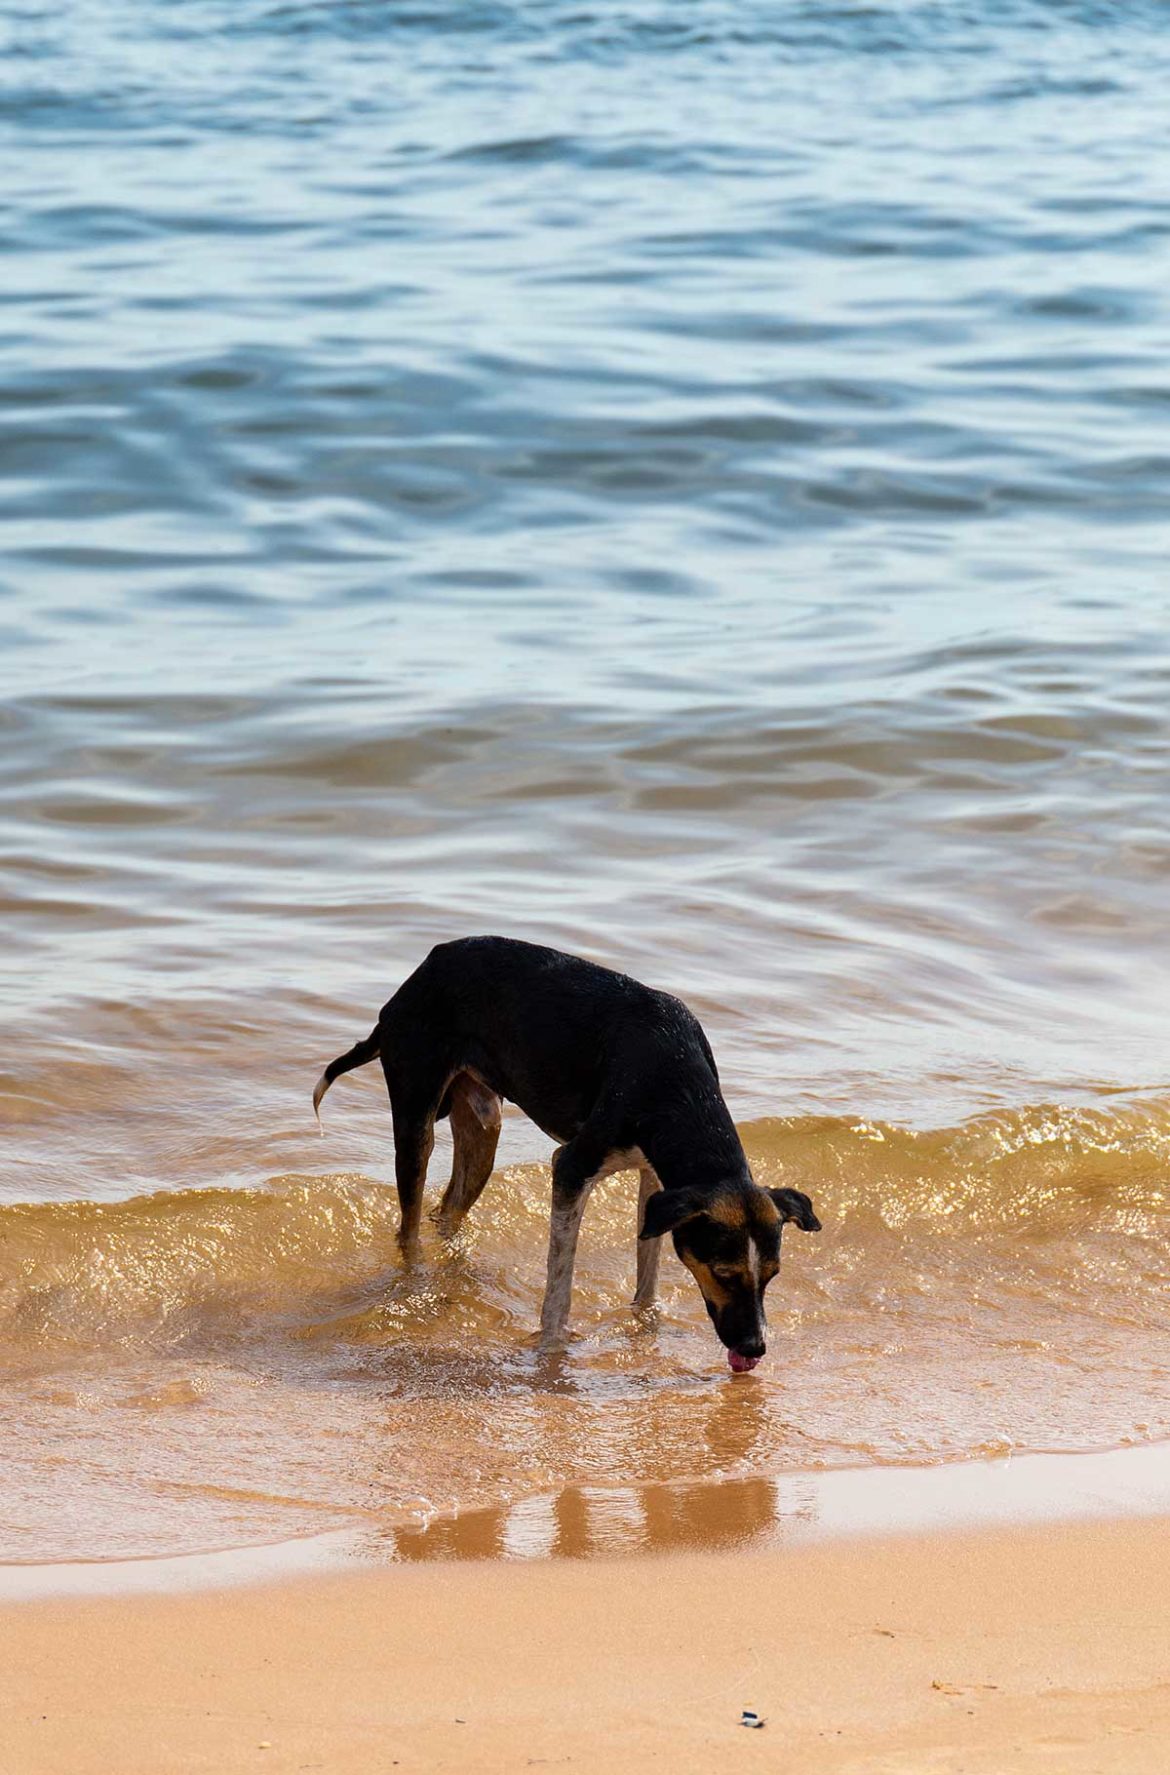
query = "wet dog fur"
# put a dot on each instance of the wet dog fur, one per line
(620, 1075)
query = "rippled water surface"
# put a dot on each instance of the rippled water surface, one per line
(688, 485)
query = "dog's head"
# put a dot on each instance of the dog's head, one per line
(729, 1239)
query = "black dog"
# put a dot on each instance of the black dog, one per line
(622, 1075)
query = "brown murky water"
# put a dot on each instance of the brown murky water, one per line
(212, 1366)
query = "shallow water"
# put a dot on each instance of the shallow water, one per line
(688, 488)
(209, 1367)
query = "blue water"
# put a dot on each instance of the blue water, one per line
(687, 482)
(616, 328)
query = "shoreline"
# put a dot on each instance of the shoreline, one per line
(711, 1518)
(997, 1651)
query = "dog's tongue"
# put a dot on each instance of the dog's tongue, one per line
(741, 1364)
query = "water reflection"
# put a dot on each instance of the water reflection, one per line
(584, 1521)
(581, 1520)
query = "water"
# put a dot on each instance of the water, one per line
(682, 485)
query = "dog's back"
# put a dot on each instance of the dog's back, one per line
(541, 1028)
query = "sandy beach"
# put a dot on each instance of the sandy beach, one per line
(997, 1651)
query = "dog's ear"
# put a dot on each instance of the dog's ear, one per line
(668, 1208)
(795, 1205)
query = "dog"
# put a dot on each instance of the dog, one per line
(621, 1076)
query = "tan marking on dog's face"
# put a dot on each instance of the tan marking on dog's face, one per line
(727, 1210)
(713, 1291)
(766, 1223)
(732, 1249)
(764, 1212)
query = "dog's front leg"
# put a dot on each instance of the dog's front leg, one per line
(649, 1250)
(569, 1196)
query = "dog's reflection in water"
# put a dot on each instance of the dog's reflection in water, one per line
(581, 1521)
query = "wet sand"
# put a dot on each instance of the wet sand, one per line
(993, 1652)
(577, 1522)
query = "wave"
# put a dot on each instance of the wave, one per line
(1029, 1197)
(1038, 1170)
(158, 1267)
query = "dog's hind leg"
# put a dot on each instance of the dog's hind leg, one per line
(414, 1141)
(476, 1118)
(649, 1250)
(412, 1150)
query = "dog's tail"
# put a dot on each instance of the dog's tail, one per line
(359, 1055)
